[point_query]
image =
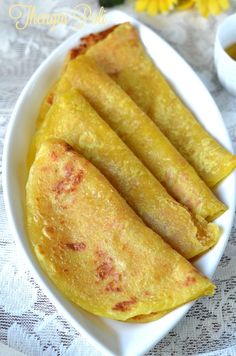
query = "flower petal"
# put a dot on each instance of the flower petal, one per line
(155, 6)
(152, 8)
(224, 4)
(141, 5)
(184, 4)
(214, 7)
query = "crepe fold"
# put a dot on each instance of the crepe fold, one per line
(46, 105)
(142, 136)
(121, 54)
(72, 119)
(94, 247)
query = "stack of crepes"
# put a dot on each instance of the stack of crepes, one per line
(118, 197)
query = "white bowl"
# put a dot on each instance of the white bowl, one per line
(225, 65)
(110, 337)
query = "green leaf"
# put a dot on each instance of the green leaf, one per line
(110, 3)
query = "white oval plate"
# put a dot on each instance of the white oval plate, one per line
(110, 337)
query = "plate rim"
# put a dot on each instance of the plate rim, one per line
(31, 259)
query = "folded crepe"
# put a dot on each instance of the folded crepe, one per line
(72, 119)
(45, 105)
(93, 246)
(120, 53)
(142, 136)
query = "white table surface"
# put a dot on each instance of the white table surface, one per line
(29, 323)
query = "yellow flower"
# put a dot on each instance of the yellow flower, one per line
(185, 4)
(152, 7)
(205, 7)
(214, 7)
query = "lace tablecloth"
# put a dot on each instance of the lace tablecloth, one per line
(29, 323)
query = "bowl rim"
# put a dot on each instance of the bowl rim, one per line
(56, 297)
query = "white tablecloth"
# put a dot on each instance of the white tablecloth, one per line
(29, 323)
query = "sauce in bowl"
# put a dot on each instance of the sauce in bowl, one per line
(231, 51)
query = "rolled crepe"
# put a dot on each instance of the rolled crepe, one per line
(121, 54)
(73, 120)
(143, 137)
(94, 247)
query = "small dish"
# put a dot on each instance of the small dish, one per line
(109, 336)
(225, 65)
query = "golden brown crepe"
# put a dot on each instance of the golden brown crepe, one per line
(121, 54)
(148, 317)
(95, 248)
(73, 120)
(143, 137)
(45, 105)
